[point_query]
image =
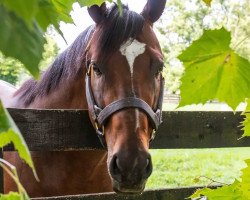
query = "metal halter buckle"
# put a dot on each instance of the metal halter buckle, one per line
(100, 132)
(153, 135)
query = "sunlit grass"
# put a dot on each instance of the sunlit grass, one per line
(182, 167)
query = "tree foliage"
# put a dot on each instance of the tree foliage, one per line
(184, 21)
(181, 23)
(208, 2)
(10, 69)
(246, 122)
(20, 42)
(13, 71)
(22, 27)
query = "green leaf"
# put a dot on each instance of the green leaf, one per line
(245, 185)
(9, 132)
(52, 12)
(208, 2)
(13, 196)
(119, 3)
(63, 8)
(91, 2)
(214, 71)
(26, 10)
(231, 192)
(248, 105)
(19, 42)
(246, 123)
(236, 191)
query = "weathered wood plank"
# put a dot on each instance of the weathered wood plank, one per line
(71, 129)
(159, 194)
(200, 129)
(56, 129)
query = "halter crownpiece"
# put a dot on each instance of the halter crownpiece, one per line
(101, 115)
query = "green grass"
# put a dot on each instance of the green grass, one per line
(182, 167)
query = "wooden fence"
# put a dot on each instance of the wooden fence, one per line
(50, 130)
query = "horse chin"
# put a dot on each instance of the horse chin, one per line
(126, 189)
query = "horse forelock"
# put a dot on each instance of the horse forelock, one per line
(115, 30)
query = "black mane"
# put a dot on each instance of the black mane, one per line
(67, 65)
(115, 29)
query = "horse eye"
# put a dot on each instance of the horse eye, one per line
(97, 70)
(157, 66)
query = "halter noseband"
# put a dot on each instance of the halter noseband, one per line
(101, 115)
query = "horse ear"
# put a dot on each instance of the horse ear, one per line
(97, 13)
(153, 10)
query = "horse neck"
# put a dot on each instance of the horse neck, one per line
(69, 94)
(62, 85)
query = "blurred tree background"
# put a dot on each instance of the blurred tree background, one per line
(10, 69)
(13, 71)
(184, 21)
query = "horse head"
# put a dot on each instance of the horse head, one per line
(124, 88)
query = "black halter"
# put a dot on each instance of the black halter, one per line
(101, 115)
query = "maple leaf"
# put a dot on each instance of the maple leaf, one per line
(214, 71)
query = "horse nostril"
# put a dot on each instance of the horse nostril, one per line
(138, 169)
(114, 169)
(149, 168)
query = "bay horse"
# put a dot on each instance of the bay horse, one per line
(113, 69)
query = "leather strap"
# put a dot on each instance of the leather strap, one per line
(90, 99)
(129, 102)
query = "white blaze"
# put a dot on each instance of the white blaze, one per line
(131, 50)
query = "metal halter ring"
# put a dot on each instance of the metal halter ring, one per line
(102, 132)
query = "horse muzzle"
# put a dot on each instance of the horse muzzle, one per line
(130, 173)
(121, 188)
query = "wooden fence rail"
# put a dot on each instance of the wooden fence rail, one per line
(159, 194)
(50, 130)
